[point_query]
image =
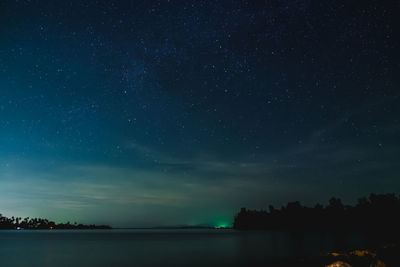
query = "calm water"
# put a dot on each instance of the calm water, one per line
(161, 247)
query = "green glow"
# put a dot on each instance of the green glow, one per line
(222, 225)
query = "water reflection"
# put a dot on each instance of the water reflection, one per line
(164, 247)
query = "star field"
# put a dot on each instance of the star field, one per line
(181, 112)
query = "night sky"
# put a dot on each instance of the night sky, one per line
(145, 113)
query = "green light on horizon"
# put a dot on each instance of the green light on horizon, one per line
(222, 225)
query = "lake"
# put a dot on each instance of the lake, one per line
(162, 247)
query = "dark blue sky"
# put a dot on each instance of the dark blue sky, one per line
(180, 112)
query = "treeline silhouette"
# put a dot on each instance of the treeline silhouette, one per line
(38, 223)
(376, 214)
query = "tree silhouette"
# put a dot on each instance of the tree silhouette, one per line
(377, 214)
(38, 223)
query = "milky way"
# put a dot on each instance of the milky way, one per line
(180, 112)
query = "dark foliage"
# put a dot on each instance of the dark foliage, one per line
(377, 214)
(37, 223)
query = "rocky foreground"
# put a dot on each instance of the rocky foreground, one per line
(386, 256)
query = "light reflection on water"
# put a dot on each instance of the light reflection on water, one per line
(163, 247)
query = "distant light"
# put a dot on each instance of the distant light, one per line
(221, 225)
(51, 227)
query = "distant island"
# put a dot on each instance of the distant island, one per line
(42, 224)
(376, 214)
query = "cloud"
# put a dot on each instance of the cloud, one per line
(174, 189)
(75, 192)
